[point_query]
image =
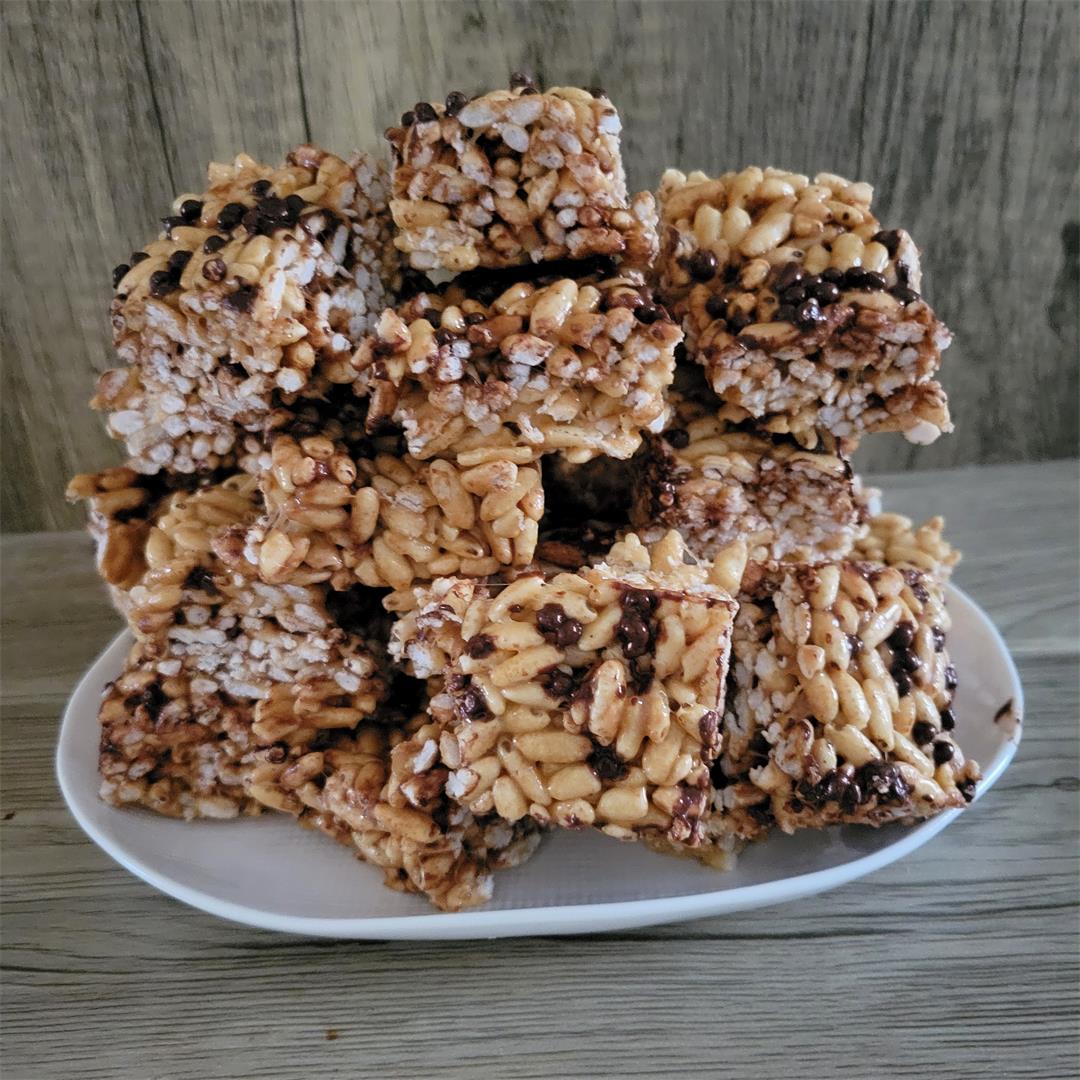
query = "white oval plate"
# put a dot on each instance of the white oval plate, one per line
(266, 872)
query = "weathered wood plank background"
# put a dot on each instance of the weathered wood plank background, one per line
(962, 114)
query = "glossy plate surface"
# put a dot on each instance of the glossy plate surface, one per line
(266, 872)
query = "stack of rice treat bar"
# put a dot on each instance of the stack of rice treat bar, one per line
(477, 498)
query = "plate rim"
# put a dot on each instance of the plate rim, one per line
(596, 917)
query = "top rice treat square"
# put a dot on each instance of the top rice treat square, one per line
(514, 177)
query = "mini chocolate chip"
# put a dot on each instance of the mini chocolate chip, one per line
(761, 813)
(709, 728)
(850, 796)
(716, 307)
(118, 274)
(549, 618)
(407, 118)
(455, 102)
(943, 752)
(162, 283)
(937, 636)
(569, 633)
(678, 437)
(809, 315)
(424, 112)
(607, 764)
(214, 270)
(455, 683)
(904, 294)
(274, 208)
(260, 188)
(923, 732)
(824, 292)
(855, 644)
(785, 313)
(171, 223)
(471, 705)
(902, 680)
(702, 265)
(137, 257)
(191, 209)
(241, 299)
(178, 260)
(948, 720)
(950, 677)
(444, 336)
(885, 781)
(632, 632)
(640, 600)
(860, 278)
(833, 275)
(200, 580)
(519, 79)
(966, 789)
(526, 90)
(648, 314)
(902, 636)
(793, 296)
(294, 204)
(214, 243)
(909, 660)
(889, 239)
(558, 684)
(254, 222)
(739, 322)
(479, 646)
(598, 91)
(790, 274)
(230, 215)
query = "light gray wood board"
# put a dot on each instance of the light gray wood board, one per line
(960, 960)
(962, 114)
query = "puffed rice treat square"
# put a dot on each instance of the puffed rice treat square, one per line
(120, 506)
(364, 790)
(839, 708)
(514, 177)
(805, 314)
(176, 746)
(257, 291)
(305, 658)
(174, 743)
(716, 483)
(345, 508)
(574, 367)
(587, 698)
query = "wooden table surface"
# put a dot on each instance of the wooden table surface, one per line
(958, 961)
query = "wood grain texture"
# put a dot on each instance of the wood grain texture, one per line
(962, 114)
(960, 960)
